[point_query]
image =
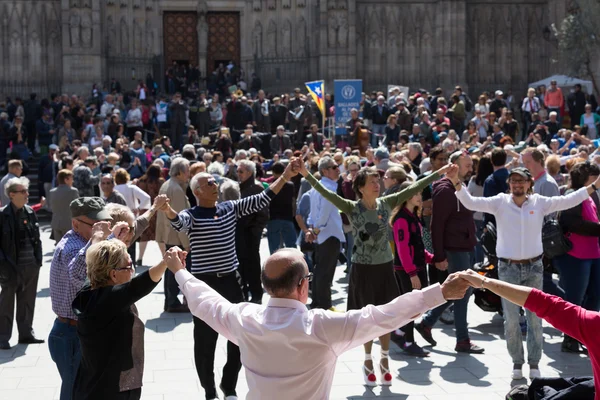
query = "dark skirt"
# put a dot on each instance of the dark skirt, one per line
(371, 284)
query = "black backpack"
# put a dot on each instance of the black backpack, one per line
(554, 241)
(488, 240)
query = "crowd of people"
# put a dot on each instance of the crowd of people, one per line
(403, 199)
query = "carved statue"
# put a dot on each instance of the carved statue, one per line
(286, 38)
(86, 29)
(75, 28)
(111, 35)
(332, 29)
(257, 39)
(301, 37)
(137, 38)
(342, 34)
(124, 36)
(272, 39)
(149, 39)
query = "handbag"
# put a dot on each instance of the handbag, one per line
(554, 241)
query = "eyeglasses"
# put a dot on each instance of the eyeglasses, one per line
(129, 267)
(333, 167)
(21, 191)
(210, 182)
(87, 223)
(308, 277)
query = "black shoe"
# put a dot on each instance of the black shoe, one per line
(425, 332)
(467, 347)
(570, 345)
(4, 345)
(415, 350)
(179, 309)
(232, 393)
(31, 340)
(399, 340)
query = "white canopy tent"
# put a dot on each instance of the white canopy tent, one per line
(565, 82)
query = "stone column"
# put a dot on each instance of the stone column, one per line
(202, 30)
(82, 46)
(452, 43)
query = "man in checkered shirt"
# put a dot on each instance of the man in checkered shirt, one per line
(67, 276)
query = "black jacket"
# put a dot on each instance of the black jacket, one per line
(111, 337)
(9, 271)
(252, 224)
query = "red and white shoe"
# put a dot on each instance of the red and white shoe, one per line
(386, 376)
(369, 374)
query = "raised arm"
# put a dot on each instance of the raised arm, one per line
(559, 203)
(345, 206)
(395, 199)
(484, 204)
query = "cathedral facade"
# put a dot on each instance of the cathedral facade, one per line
(67, 45)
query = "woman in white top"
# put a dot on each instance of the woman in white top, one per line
(135, 197)
(96, 140)
(591, 120)
(475, 188)
(134, 119)
(482, 106)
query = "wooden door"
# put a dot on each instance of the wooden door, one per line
(223, 38)
(180, 37)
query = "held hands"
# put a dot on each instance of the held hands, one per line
(161, 202)
(475, 280)
(455, 287)
(101, 230)
(175, 259)
(451, 171)
(300, 166)
(310, 236)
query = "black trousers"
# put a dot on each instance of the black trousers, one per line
(31, 135)
(24, 290)
(326, 256)
(405, 284)
(249, 258)
(133, 394)
(205, 341)
(171, 286)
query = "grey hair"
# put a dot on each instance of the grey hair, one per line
(119, 212)
(159, 162)
(416, 146)
(179, 166)
(249, 165)
(324, 163)
(12, 183)
(81, 149)
(240, 152)
(158, 149)
(189, 147)
(230, 190)
(196, 178)
(216, 168)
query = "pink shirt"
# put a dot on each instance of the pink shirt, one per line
(573, 320)
(288, 349)
(586, 247)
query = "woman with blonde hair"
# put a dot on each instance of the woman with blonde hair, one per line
(109, 328)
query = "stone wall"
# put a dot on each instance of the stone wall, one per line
(66, 45)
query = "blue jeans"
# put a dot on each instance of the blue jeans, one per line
(278, 230)
(66, 353)
(580, 280)
(457, 261)
(530, 275)
(378, 129)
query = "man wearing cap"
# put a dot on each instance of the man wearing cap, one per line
(280, 142)
(20, 262)
(519, 219)
(498, 103)
(405, 119)
(67, 276)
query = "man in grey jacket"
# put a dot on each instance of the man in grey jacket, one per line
(60, 200)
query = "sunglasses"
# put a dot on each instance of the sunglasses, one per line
(210, 183)
(333, 167)
(129, 267)
(308, 277)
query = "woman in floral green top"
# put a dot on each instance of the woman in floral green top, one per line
(372, 278)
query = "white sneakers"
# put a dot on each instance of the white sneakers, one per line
(517, 374)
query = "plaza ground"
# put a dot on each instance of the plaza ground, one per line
(28, 372)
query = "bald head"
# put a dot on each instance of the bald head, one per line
(283, 273)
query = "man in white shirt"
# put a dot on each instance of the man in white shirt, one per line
(326, 222)
(287, 350)
(519, 219)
